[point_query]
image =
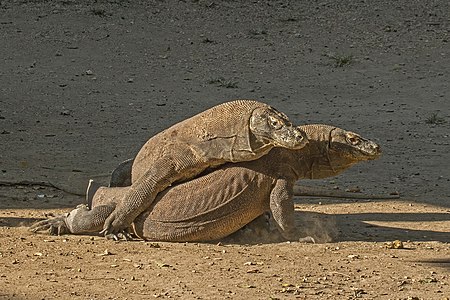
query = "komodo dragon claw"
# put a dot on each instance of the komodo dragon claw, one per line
(108, 230)
(55, 226)
(121, 236)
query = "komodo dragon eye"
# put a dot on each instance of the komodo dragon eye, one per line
(275, 123)
(353, 139)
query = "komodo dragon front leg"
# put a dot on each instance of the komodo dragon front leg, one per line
(282, 209)
(170, 168)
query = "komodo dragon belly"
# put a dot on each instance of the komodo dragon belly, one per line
(207, 208)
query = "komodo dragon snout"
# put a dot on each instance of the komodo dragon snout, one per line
(270, 125)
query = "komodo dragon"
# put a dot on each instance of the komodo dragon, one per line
(236, 131)
(219, 203)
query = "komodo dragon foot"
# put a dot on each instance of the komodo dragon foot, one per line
(78, 221)
(62, 224)
(54, 226)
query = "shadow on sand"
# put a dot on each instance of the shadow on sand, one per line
(356, 227)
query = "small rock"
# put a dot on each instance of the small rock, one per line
(397, 244)
(353, 190)
(163, 265)
(105, 253)
(253, 271)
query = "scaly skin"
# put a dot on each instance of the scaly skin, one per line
(236, 131)
(219, 203)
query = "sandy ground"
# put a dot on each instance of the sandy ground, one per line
(83, 85)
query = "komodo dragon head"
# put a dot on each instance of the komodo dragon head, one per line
(270, 126)
(352, 146)
(332, 150)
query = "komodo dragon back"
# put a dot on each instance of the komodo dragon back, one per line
(236, 131)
